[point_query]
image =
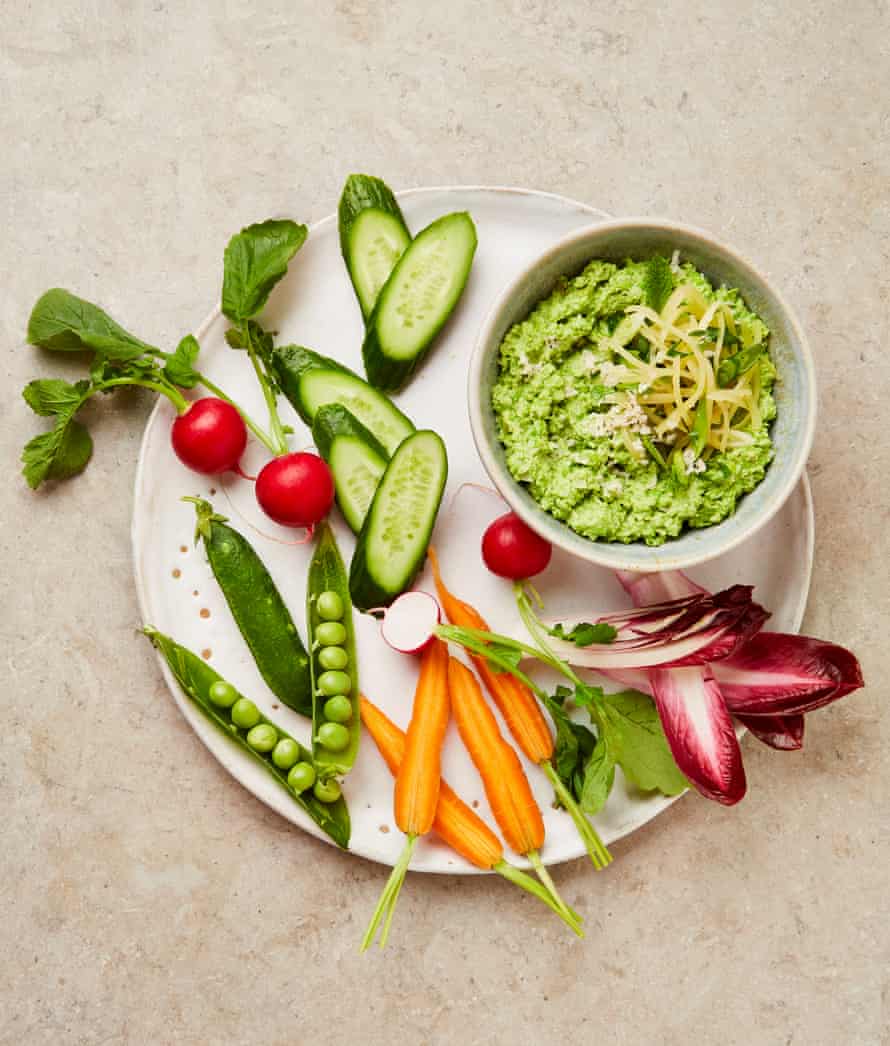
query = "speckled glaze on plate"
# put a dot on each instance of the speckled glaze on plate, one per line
(315, 306)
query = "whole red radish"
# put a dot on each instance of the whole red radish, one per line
(210, 436)
(295, 490)
(513, 550)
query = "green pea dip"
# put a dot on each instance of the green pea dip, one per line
(571, 402)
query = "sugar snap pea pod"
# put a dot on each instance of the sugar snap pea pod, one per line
(197, 678)
(258, 609)
(334, 738)
(734, 366)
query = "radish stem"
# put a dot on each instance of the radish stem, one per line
(279, 440)
(596, 848)
(260, 434)
(171, 392)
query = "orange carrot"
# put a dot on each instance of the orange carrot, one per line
(509, 793)
(516, 703)
(522, 714)
(417, 783)
(455, 823)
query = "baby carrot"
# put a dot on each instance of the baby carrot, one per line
(418, 779)
(522, 714)
(509, 793)
(516, 703)
(455, 823)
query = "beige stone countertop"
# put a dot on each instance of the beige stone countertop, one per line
(146, 897)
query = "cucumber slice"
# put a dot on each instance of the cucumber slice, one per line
(373, 236)
(417, 300)
(356, 458)
(397, 528)
(310, 381)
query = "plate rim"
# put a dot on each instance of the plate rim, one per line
(186, 709)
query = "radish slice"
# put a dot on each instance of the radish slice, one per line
(409, 622)
(699, 730)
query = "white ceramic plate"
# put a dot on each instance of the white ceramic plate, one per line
(315, 306)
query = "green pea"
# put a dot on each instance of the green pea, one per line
(333, 657)
(330, 683)
(263, 738)
(285, 753)
(330, 606)
(331, 633)
(245, 714)
(327, 791)
(301, 777)
(338, 709)
(222, 694)
(333, 736)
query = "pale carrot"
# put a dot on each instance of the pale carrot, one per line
(418, 779)
(506, 786)
(455, 823)
(521, 711)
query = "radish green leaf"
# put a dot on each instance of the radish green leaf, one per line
(255, 260)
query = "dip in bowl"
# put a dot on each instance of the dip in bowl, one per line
(642, 397)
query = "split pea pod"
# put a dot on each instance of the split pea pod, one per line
(280, 755)
(259, 611)
(335, 698)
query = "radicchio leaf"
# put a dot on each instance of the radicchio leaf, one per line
(699, 730)
(691, 631)
(784, 732)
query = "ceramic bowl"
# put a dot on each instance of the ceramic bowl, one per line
(795, 390)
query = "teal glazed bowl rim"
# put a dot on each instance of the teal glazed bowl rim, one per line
(795, 391)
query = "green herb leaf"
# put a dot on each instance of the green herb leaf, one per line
(700, 427)
(62, 452)
(179, 368)
(590, 697)
(585, 633)
(574, 742)
(48, 396)
(62, 321)
(658, 282)
(637, 738)
(255, 260)
(599, 776)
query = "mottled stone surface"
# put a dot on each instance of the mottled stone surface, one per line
(148, 899)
